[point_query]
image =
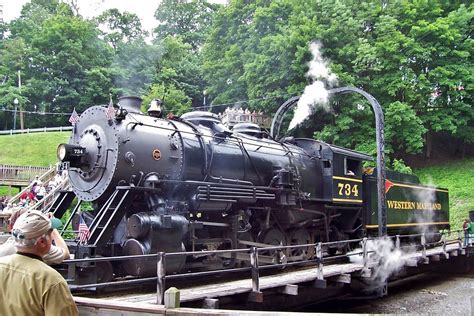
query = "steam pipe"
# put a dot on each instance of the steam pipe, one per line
(379, 132)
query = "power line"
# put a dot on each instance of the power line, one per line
(36, 112)
(239, 102)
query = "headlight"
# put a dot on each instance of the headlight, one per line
(71, 153)
(61, 152)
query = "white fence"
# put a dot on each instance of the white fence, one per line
(36, 130)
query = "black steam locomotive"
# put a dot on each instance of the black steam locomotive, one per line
(188, 184)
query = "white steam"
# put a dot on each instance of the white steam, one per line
(387, 257)
(382, 251)
(427, 214)
(316, 93)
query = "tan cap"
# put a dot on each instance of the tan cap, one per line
(31, 225)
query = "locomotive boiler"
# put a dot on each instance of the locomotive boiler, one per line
(188, 183)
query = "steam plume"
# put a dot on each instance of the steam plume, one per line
(383, 251)
(426, 215)
(316, 93)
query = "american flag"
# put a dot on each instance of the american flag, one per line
(74, 117)
(110, 113)
(84, 232)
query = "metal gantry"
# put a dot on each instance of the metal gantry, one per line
(379, 132)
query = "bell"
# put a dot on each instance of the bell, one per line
(155, 108)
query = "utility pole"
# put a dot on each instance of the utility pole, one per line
(15, 102)
(22, 125)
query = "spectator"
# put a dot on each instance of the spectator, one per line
(34, 287)
(8, 208)
(57, 253)
(37, 181)
(470, 229)
(465, 228)
(2, 203)
(40, 192)
(27, 197)
(57, 180)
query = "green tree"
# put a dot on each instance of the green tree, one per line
(400, 52)
(179, 67)
(60, 57)
(120, 27)
(189, 20)
(424, 58)
(174, 100)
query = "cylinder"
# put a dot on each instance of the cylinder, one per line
(138, 225)
(141, 266)
(144, 267)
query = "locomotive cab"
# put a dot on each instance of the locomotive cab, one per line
(346, 178)
(341, 170)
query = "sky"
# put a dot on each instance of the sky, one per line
(145, 9)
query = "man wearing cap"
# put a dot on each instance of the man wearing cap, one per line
(29, 286)
(57, 253)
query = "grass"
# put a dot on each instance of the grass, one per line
(458, 178)
(39, 149)
(34, 149)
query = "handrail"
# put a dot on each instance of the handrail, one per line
(317, 260)
(22, 173)
(48, 199)
(45, 177)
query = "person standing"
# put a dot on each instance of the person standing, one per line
(27, 197)
(33, 288)
(470, 230)
(465, 228)
(40, 192)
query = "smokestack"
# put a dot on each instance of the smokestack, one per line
(130, 103)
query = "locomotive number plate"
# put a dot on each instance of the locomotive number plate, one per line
(348, 190)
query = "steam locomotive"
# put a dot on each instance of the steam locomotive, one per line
(189, 184)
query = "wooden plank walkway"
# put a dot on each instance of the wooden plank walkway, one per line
(306, 274)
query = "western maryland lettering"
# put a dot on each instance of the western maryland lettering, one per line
(413, 205)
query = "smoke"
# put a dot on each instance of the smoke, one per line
(382, 251)
(316, 93)
(136, 74)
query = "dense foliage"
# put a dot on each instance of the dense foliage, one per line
(414, 57)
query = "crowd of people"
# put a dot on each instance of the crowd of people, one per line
(35, 192)
(35, 243)
(25, 257)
